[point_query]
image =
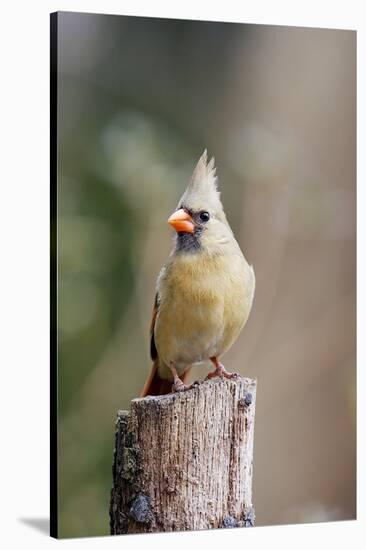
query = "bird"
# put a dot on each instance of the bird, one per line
(204, 291)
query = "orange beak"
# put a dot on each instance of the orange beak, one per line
(181, 221)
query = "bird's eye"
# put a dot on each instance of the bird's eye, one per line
(204, 216)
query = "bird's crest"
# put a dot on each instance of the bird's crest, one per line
(202, 190)
(204, 174)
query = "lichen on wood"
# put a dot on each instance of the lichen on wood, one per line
(184, 461)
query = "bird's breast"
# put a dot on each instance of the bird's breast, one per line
(204, 303)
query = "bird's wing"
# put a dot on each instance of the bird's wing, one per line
(153, 350)
(155, 385)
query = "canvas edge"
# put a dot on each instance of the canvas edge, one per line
(53, 278)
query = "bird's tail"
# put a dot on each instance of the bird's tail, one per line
(155, 385)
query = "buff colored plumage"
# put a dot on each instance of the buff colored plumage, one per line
(205, 289)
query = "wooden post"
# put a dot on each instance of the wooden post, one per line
(184, 461)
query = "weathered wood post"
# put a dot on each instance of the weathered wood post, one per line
(184, 461)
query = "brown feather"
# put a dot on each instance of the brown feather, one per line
(155, 385)
(153, 350)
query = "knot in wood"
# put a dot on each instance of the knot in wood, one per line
(230, 522)
(249, 517)
(140, 509)
(245, 401)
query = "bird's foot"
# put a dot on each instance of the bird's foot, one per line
(221, 372)
(179, 386)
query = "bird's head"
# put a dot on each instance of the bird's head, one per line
(199, 219)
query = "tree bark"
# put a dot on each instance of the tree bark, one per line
(184, 461)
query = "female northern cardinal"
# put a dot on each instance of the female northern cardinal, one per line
(204, 291)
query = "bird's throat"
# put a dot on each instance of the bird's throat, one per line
(188, 242)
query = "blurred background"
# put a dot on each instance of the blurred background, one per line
(139, 100)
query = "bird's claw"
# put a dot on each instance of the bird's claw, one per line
(221, 372)
(179, 386)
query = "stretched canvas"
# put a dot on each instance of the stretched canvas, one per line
(203, 371)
